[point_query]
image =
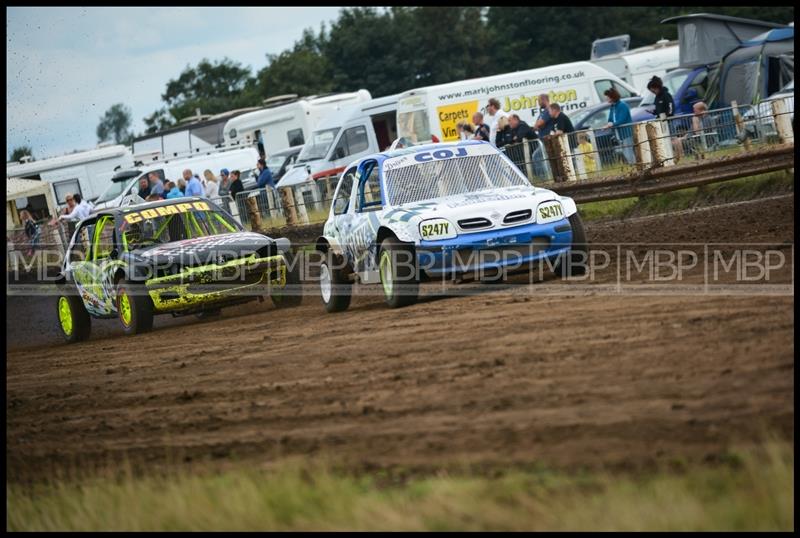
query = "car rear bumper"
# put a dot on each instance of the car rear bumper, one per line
(217, 283)
(507, 248)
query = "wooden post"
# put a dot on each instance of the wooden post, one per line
(526, 152)
(653, 129)
(565, 157)
(253, 212)
(551, 149)
(741, 131)
(300, 204)
(783, 123)
(289, 209)
(641, 146)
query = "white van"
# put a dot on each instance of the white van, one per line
(343, 137)
(87, 173)
(286, 120)
(434, 111)
(638, 66)
(242, 159)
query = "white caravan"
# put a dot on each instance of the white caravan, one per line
(118, 190)
(435, 110)
(286, 121)
(87, 173)
(638, 66)
(351, 133)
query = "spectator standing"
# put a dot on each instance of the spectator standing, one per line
(663, 101)
(520, 130)
(503, 135)
(264, 175)
(193, 185)
(156, 187)
(31, 230)
(561, 122)
(144, 188)
(172, 190)
(495, 114)
(544, 123)
(464, 130)
(586, 153)
(70, 205)
(82, 209)
(182, 186)
(481, 129)
(701, 123)
(224, 183)
(618, 115)
(212, 187)
(236, 184)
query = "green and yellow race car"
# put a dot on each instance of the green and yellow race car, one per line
(181, 256)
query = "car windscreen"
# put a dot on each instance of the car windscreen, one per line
(318, 146)
(274, 163)
(175, 222)
(448, 177)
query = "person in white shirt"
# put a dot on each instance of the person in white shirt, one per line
(495, 113)
(211, 186)
(81, 210)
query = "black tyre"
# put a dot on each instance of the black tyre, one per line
(134, 307)
(293, 294)
(576, 261)
(397, 266)
(73, 319)
(334, 285)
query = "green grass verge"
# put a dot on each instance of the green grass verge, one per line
(749, 491)
(746, 188)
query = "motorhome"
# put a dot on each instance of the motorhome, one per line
(286, 121)
(435, 110)
(349, 134)
(194, 134)
(638, 66)
(87, 173)
(121, 185)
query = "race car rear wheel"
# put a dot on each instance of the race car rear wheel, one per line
(576, 261)
(134, 308)
(73, 319)
(398, 271)
(334, 286)
(292, 294)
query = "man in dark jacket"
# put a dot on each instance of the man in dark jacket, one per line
(561, 122)
(664, 102)
(481, 129)
(520, 130)
(264, 175)
(236, 184)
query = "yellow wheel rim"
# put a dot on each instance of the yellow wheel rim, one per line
(65, 315)
(386, 273)
(125, 309)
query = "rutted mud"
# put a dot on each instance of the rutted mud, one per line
(502, 376)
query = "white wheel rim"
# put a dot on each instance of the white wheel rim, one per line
(325, 282)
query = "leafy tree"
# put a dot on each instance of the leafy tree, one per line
(303, 70)
(20, 152)
(213, 87)
(115, 125)
(158, 121)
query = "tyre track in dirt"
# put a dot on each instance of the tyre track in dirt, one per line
(503, 376)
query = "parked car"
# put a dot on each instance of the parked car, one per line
(180, 256)
(440, 210)
(596, 118)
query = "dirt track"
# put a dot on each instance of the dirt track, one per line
(590, 378)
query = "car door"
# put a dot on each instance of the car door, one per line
(368, 205)
(342, 214)
(94, 276)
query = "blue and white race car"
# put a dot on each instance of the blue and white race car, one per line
(440, 210)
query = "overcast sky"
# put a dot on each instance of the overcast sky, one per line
(66, 66)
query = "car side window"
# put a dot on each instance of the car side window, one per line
(341, 199)
(623, 91)
(601, 86)
(369, 188)
(353, 140)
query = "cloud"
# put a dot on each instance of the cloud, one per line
(65, 67)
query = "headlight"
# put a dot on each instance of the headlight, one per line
(437, 229)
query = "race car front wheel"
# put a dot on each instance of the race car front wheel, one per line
(292, 294)
(73, 319)
(334, 286)
(575, 262)
(134, 308)
(398, 271)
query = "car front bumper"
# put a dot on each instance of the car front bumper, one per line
(217, 283)
(506, 248)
